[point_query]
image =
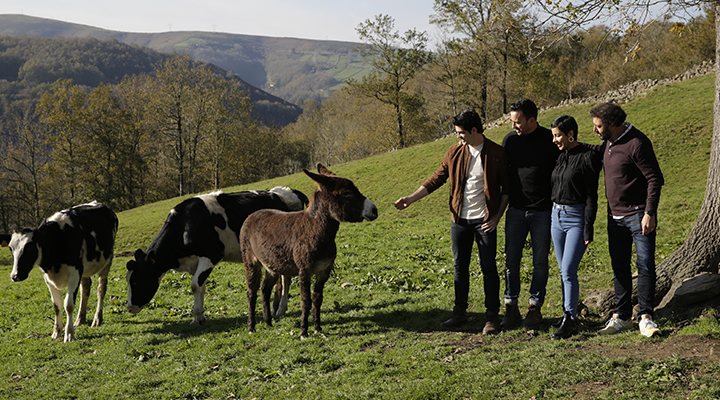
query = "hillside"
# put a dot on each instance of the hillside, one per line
(392, 287)
(293, 69)
(28, 64)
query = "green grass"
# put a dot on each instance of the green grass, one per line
(392, 287)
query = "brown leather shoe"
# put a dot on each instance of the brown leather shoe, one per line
(533, 318)
(492, 325)
(512, 318)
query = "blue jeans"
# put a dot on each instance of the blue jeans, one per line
(518, 223)
(567, 230)
(622, 234)
(462, 234)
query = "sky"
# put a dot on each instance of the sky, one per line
(309, 19)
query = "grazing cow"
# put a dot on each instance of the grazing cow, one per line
(300, 243)
(197, 234)
(70, 246)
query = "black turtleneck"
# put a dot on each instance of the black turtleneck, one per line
(531, 158)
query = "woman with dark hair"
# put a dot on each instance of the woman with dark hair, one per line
(574, 196)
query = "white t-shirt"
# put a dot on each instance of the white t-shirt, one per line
(474, 206)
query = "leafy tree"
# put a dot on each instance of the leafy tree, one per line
(396, 59)
(492, 32)
(60, 109)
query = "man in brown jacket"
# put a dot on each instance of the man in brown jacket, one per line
(477, 170)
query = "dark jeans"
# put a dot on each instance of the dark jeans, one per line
(462, 234)
(621, 235)
(518, 223)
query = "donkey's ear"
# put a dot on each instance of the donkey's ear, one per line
(4, 239)
(322, 180)
(324, 171)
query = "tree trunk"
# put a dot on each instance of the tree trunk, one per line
(401, 129)
(701, 251)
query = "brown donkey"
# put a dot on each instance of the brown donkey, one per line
(300, 243)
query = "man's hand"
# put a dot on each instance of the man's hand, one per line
(490, 225)
(402, 203)
(648, 224)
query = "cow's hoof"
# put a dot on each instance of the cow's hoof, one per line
(69, 337)
(96, 322)
(55, 334)
(198, 320)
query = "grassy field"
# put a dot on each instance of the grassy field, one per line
(392, 288)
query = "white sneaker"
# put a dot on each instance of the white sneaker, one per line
(648, 327)
(615, 325)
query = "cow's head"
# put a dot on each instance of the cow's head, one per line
(25, 250)
(142, 280)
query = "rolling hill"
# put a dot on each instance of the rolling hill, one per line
(391, 288)
(293, 69)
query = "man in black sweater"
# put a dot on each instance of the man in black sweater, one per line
(632, 184)
(531, 156)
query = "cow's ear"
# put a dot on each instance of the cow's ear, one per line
(323, 170)
(4, 239)
(131, 265)
(139, 255)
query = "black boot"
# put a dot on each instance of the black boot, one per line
(512, 318)
(458, 318)
(567, 328)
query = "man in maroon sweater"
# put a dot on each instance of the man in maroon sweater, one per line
(632, 184)
(476, 168)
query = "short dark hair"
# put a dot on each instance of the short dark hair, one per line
(610, 113)
(467, 120)
(526, 106)
(566, 124)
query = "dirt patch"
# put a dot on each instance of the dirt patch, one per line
(588, 390)
(698, 348)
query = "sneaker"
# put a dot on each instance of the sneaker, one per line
(512, 318)
(648, 327)
(533, 318)
(615, 325)
(455, 321)
(492, 325)
(568, 327)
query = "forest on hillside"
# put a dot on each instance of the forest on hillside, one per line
(496, 54)
(184, 128)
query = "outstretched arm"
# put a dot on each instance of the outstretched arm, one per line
(404, 202)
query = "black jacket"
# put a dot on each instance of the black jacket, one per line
(575, 181)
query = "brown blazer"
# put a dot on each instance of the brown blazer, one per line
(455, 165)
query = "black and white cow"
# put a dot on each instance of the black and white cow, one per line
(198, 233)
(70, 246)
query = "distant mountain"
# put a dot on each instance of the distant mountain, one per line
(28, 64)
(293, 69)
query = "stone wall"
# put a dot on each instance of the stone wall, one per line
(625, 93)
